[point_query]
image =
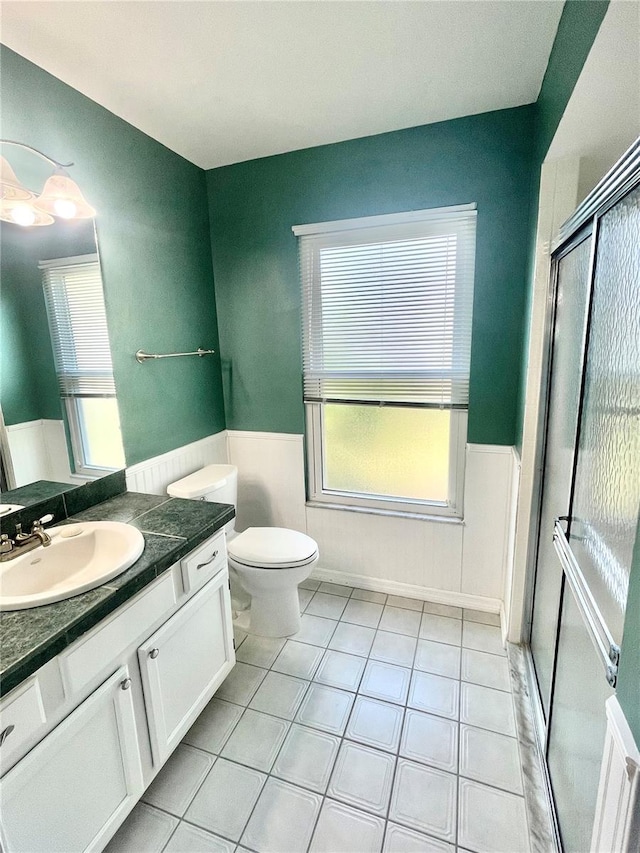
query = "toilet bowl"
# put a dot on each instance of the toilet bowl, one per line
(270, 562)
(267, 563)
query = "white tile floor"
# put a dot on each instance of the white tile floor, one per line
(385, 725)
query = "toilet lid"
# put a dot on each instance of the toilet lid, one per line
(272, 547)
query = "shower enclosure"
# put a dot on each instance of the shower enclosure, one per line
(589, 495)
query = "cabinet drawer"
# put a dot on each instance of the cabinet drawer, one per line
(100, 648)
(205, 562)
(21, 717)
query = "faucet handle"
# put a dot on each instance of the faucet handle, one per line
(37, 524)
(20, 536)
(6, 544)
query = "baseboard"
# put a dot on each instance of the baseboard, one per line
(504, 626)
(424, 593)
(509, 556)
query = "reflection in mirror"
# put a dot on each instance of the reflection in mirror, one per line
(59, 411)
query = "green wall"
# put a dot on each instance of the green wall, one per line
(577, 30)
(19, 382)
(153, 234)
(484, 158)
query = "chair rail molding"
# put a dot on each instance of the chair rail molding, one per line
(154, 475)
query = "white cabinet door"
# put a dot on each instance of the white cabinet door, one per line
(72, 791)
(184, 663)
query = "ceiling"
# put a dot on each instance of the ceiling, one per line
(221, 82)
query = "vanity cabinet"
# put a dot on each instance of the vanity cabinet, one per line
(199, 635)
(23, 718)
(107, 713)
(74, 789)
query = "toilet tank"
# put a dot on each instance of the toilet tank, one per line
(215, 483)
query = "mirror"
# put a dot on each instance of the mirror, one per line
(59, 421)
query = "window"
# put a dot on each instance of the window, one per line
(387, 306)
(78, 325)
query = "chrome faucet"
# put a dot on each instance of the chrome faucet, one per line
(25, 542)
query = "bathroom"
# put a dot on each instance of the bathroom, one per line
(196, 250)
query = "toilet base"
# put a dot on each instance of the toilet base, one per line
(275, 606)
(240, 598)
(275, 615)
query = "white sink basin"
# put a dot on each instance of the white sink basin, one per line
(5, 509)
(80, 557)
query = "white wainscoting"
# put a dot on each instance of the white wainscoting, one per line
(616, 828)
(487, 517)
(39, 451)
(381, 548)
(55, 441)
(465, 564)
(154, 475)
(271, 484)
(509, 567)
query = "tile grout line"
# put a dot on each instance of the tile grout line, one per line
(164, 535)
(342, 738)
(181, 818)
(368, 658)
(324, 796)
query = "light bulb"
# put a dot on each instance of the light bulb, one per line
(65, 208)
(23, 214)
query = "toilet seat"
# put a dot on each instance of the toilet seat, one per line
(272, 548)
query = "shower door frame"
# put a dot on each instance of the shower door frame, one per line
(582, 225)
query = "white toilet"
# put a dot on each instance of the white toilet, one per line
(268, 562)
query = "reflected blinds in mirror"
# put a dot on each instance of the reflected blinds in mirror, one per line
(78, 324)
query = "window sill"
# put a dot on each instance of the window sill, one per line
(414, 516)
(81, 478)
(91, 478)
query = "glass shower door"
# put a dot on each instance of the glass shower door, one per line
(602, 526)
(569, 332)
(606, 496)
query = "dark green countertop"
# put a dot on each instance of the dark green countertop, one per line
(36, 492)
(171, 528)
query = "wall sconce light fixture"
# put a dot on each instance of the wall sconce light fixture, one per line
(60, 196)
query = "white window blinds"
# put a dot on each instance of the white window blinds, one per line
(78, 324)
(387, 309)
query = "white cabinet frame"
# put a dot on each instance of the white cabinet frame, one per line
(28, 812)
(198, 636)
